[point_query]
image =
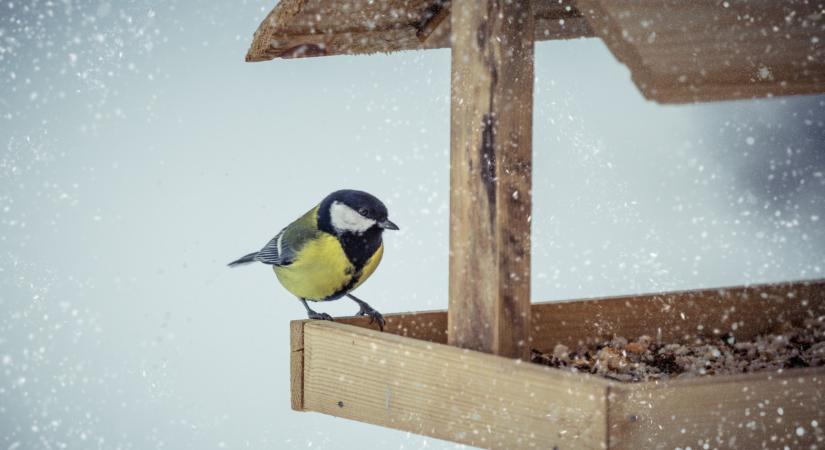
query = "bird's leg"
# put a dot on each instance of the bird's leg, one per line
(366, 310)
(315, 315)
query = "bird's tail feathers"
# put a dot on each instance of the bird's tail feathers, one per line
(246, 259)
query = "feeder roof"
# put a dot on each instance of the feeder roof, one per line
(677, 51)
(305, 28)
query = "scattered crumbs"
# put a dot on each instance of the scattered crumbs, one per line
(646, 359)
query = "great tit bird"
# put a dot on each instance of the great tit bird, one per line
(329, 251)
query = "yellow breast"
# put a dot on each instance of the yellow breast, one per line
(321, 270)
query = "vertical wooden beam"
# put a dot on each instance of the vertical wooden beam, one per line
(490, 175)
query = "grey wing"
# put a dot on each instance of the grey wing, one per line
(276, 252)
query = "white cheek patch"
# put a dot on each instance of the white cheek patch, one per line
(344, 218)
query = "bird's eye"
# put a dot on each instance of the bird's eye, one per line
(363, 211)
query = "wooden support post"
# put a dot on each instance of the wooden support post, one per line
(490, 175)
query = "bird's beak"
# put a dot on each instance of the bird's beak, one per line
(387, 225)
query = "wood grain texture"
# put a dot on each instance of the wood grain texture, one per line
(677, 51)
(743, 311)
(307, 28)
(406, 382)
(611, 32)
(490, 176)
(703, 50)
(449, 393)
(760, 410)
(436, 13)
(428, 326)
(296, 363)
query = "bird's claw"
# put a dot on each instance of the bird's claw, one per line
(320, 316)
(375, 316)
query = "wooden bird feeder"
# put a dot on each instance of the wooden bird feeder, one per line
(461, 374)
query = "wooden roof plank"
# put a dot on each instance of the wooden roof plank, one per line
(705, 50)
(677, 51)
(306, 28)
(437, 12)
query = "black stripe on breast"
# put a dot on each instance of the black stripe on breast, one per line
(359, 248)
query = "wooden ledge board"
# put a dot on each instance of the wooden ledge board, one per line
(405, 379)
(744, 311)
(493, 402)
(447, 392)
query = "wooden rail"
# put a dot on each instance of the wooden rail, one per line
(407, 379)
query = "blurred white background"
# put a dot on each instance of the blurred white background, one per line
(141, 154)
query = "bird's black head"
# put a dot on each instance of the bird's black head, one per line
(355, 212)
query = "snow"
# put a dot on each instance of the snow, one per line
(140, 154)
